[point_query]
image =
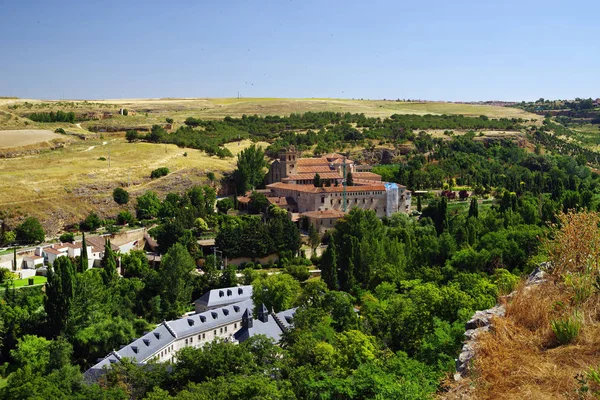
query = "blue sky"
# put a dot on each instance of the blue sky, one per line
(435, 50)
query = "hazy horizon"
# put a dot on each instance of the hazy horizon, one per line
(464, 51)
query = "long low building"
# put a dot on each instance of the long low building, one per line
(233, 322)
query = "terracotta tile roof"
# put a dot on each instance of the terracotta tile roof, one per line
(324, 214)
(340, 161)
(313, 169)
(243, 199)
(331, 189)
(98, 242)
(53, 251)
(324, 175)
(312, 161)
(367, 176)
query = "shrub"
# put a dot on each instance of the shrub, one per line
(60, 130)
(131, 135)
(567, 329)
(92, 222)
(299, 272)
(120, 196)
(159, 172)
(505, 281)
(30, 231)
(67, 237)
(224, 205)
(125, 217)
(112, 229)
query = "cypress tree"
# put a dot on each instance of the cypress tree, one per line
(14, 258)
(329, 267)
(474, 208)
(419, 203)
(109, 265)
(347, 268)
(60, 293)
(349, 179)
(317, 181)
(83, 259)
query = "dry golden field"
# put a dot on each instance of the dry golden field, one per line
(62, 185)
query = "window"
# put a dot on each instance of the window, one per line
(191, 340)
(199, 337)
(225, 329)
(235, 326)
(215, 332)
(221, 330)
(204, 336)
(186, 342)
(322, 200)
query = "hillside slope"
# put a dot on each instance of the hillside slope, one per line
(547, 345)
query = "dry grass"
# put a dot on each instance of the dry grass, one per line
(65, 184)
(521, 357)
(179, 109)
(20, 138)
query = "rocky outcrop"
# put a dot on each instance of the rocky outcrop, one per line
(482, 321)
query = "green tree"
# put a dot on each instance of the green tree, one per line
(91, 222)
(175, 282)
(258, 203)
(8, 237)
(474, 208)
(125, 217)
(224, 205)
(120, 196)
(317, 181)
(83, 259)
(67, 237)
(228, 276)
(131, 135)
(419, 203)
(60, 293)
(349, 179)
(313, 236)
(148, 205)
(30, 231)
(109, 265)
(250, 168)
(32, 351)
(277, 292)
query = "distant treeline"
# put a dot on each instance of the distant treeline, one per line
(186, 137)
(328, 130)
(59, 116)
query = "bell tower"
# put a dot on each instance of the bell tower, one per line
(288, 162)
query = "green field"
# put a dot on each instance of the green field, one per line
(37, 280)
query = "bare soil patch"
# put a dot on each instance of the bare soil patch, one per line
(25, 137)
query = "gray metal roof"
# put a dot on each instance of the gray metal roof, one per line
(167, 332)
(224, 296)
(271, 329)
(286, 317)
(147, 345)
(208, 320)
